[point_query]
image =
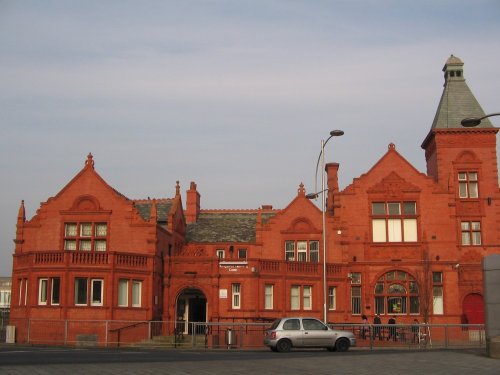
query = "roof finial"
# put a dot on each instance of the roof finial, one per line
(89, 163)
(177, 189)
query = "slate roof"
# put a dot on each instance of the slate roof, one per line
(213, 227)
(162, 208)
(457, 101)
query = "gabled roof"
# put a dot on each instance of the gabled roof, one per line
(457, 101)
(235, 226)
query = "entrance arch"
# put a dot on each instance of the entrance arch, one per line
(191, 306)
(473, 308)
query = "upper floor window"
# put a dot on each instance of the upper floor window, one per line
(467, 185)
(394, 221)
(471, 233)
(242, 253)
(302, 251)
(220, 253)
(85, 236)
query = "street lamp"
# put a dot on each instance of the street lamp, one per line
(333, 133)
(471, 122)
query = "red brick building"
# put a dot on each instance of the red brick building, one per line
(400, 242)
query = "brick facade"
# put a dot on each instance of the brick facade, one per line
(399, 242)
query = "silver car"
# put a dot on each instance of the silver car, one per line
(301, 332)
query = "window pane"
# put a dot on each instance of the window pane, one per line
(465, 238)
(396, 289)
(355, 278)
(70, 230)
(100, 245)
(394, 208)
(55, 292)
(314, 251)
(42, 292)
(80, 291)
(101, 230)
(462, 176)
(86, 229)
(289, 250)
(123, 292)
(379, 288)
(476, 238)
(472, 176)
(410, 230)
(413, 287)
(437, 277)
(414, 305)
(291, 325)
(96, 295)
(332, 298)
(462, 189)
(356, 299)
(465, 225)
(295, 298)
(396, 305)
(476, 225)
(378, 228)
(379, 305)
(409, 208)
(437, 300)
(473, 192)
(307, 298)
(70, 245)
(268, 297)
(378, 208)
(85, 245)
(136, 293)
(394, 229)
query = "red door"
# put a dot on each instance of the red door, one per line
(473, 308)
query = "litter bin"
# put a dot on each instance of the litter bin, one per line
(230, 338)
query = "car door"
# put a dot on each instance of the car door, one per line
(291, 330)
(315, 333)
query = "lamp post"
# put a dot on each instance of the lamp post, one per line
(471, 122)
(321, 157)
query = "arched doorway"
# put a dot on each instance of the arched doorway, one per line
(191, 306)
(473, 309)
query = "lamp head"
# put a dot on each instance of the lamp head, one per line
(470, 122)
(336, 133)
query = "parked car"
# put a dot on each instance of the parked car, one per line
(303, 332)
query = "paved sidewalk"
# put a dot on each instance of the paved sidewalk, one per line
(355, 362)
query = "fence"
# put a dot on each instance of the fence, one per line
(232, 335)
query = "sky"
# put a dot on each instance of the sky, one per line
(235, 95)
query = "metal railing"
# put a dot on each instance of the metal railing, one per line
(233, 335)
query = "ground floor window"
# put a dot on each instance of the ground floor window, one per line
(332, 298)
(88, 288)
(396, 292)
(49, 291)
(268, 296)
(129, 290)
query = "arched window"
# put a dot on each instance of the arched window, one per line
(396, 292)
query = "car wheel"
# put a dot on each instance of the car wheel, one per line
(342, 345)
(283, 346)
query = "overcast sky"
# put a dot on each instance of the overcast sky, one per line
(235, 95)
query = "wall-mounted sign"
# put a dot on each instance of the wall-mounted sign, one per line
(222, 293)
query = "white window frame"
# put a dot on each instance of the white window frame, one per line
(136, 293)
(123, 292)
(332, 298)
(84, 281)
(468, 185)
(307, 297)
(437, 300)
(220, 253)
(93, 299)
(43, 291)
(295, 297)
(52, 294)
(268, 296)
(236, 296)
